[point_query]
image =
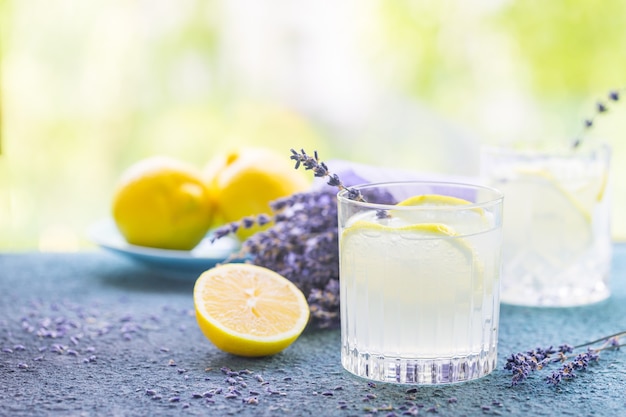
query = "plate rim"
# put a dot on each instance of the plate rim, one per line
(96, 234)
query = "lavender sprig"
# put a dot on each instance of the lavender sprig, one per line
(567, 370)
(602, 106)
(320, 170)
(523, 364)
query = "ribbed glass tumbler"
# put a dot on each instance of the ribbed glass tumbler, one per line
(419, 275)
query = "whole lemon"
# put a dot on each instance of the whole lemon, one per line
(162, 202)
(245, 180)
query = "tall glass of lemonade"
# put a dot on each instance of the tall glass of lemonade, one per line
(420, 279)
(557, 239)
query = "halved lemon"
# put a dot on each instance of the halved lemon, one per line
(249, 310)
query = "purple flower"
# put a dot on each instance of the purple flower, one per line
(523, 364)
(567, 370)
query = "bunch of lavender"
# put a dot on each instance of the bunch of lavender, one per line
(602, 107)
(301, 243)
(523, 364)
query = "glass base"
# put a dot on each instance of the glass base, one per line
(431, 371)
(533, 281)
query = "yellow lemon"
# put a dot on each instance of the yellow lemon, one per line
(244, 181)
(248, 310)
(163, 203)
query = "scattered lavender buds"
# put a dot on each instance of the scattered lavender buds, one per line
(602, 106)
(523, 364)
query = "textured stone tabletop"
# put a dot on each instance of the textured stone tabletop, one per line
(94, 333)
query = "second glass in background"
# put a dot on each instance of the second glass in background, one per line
(557, 240)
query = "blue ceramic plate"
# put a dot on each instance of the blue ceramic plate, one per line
(105, 234)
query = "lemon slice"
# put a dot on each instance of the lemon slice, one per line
(583, 194)
(395, 235)
(426, 228)
(416, 286)
(472, 220)
(433, 200)
(248, 310)
(542, 215)
(401, 235)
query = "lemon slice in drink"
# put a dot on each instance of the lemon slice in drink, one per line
(446, 211)
(435, 229)
(583, 193)
(434, 200)
(432, 251)
(248, 310)
(543, 215)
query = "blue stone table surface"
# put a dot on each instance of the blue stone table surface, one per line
(95, 333)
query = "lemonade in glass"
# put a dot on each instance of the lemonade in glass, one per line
(419, 276)
(557, 242)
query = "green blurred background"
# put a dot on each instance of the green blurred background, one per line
(89, 87)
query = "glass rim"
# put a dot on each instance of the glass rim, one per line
(496, 198)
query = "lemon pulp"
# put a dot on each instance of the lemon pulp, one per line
(249, 310)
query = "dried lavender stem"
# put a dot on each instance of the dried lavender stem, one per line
(610, 346)
(522, 364)
(601, 107)
(320, 170)
(603, 339)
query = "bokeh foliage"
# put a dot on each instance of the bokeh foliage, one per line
(88, 88)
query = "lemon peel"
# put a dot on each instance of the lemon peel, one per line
(434, 200)
(428, 228)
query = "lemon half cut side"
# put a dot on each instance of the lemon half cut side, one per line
(249, 310)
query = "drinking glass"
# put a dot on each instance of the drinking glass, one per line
(556, 233)
(419, 281)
